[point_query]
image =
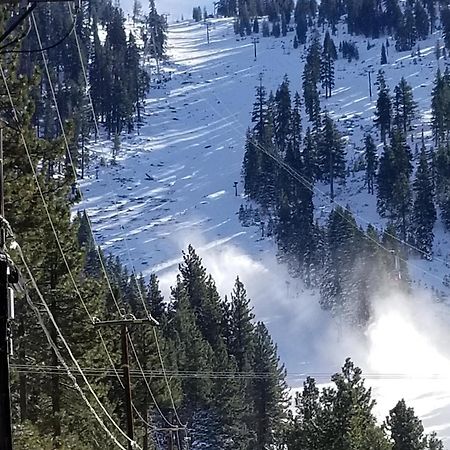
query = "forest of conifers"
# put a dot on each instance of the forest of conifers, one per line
(213, 379)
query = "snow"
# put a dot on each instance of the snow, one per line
(173, 185)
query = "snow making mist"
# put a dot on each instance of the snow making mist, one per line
(308, 339)
(404, 352)
(408, 356)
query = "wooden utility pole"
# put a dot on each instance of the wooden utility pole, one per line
(124, 323)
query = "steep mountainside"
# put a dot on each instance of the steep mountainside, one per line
(173, 184)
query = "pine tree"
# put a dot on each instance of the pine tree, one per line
(341, 244)
(311, 76)
(340, 417)
(309, 157)
(193, 352)
(251, 167)
(394, 194)
(331, 154)
(283, 115)
(303, 431)
(424, 212)
(445, 20)
(329, 54)
(406, 35)
(202, 296)
(241, 341)
(155, 300)
(269, 392)
(301, 30)
(422, 21)
(371, 162)
(404, 105)
(443, 182)
(156, 29)
(405, 428)
(259, 114)
(255, 26)
(383, 55)
(383, 112)
(137, 10)
(440, 103)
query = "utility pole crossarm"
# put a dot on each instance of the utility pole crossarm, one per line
(125, 322)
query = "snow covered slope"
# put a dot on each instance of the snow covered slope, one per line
(173, 185)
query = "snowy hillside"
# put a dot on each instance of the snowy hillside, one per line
(173, 185)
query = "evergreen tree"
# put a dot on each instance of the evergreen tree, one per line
(371, 162)
(404, 105)
(405, 428)
(194, 354)
(255, 26)
(269, 392)
(303, 431)
(241, 342)
(155, 300)
(202, 295)
(340, 417)
(406, 35)
(445, 21)
(422, 21)
(383, 112)
(156, 31)
(440, 104)
(251, 167)
(283, 115)
(383, 55)
(331, 154)
(329, 54)
(137, 10)
(443, 182)
(424, 212)
(311, 76)
(394, 194)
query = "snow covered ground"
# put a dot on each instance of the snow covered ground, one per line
(173, 185)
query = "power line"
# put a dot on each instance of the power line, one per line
(61, 250)
(49, 47)
(100, 256)
(68, 349)
(128, 250)
(107, 372)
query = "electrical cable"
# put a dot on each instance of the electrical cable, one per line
(61, 250)
(49, 47)
(92, 233)
(17, 247)
(19, 38)
(81, 195)
(36, 179)
(312, 187)
(106, 372)
(66, 142)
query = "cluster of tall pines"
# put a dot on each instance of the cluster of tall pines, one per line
(369, 18)
(294, 143)
(114, 61)
(225, 386)
(211, 347)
